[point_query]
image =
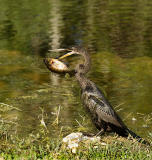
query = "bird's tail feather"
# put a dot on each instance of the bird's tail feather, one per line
(138, 138)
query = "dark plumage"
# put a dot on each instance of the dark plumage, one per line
(103, 115)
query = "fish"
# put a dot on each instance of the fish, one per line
(55, 65)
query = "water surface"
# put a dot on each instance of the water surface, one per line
(118, 37)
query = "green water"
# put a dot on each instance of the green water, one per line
(118, 36)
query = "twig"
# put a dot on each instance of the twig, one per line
(78, 123)
(7, 105)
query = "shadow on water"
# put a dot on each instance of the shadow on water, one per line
(118, 35)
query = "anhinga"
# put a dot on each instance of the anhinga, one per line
(103, 115)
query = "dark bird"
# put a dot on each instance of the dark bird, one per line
(103, 114)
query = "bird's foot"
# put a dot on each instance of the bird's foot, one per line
(100, 132)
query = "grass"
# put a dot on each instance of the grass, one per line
(39, 145)
(44, 148)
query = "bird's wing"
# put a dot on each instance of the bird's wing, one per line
(98, 105)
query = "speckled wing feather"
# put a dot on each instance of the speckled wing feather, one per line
(101, 108)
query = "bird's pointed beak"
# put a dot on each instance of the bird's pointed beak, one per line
(59, 50)
(66, 55)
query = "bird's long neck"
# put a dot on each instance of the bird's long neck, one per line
(87, 62)
(82, 69)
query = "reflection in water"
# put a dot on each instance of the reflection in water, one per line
(122, 27)
(30, 87)
(114, 29)
(55, 22)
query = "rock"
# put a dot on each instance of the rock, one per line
(134, 119)
(72, 140)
